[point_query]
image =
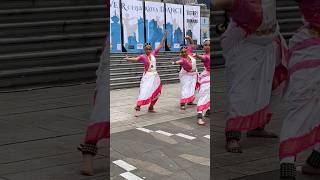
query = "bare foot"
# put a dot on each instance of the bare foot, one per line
(87, 169)
(201, 122)
(183, 107)
(233, 146)
(307, 169)
(151, 110)
(137, 114)
(261, 133)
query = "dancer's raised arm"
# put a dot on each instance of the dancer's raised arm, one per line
(163, 42)
(131, 59)
(190, 41)
(222, 4)
(201, 57)
(176, 62)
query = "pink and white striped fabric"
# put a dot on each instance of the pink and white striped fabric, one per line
(188, 76)
(301, 126)
(150, 85)
(250, 68)
(204, 81)
(99, 125)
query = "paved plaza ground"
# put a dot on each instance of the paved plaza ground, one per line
(40, 130)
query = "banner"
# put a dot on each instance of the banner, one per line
(133, 25)
(204, 28)
(192, 22)
(154, 23)
(115, 26)
(174, 24)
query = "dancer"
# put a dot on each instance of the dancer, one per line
(251, 51)
(188, 74)
(301, 126)
(204, 80)
(99, 126)
(150, 85)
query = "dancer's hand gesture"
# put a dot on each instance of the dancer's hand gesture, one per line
(130, 59)
(165, 33)
(126, 58)
(187, 37)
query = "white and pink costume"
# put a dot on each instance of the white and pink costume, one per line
(150, 85)
(204, 81)
(301, 126)
(252, 47)
(99, 125)
(188, 78)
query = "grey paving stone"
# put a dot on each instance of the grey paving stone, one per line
(12, 133)
(63, 172)
(155, 158)
(199, 172)
(34, 164)
(178, 176)
(41, 148)
(222, 174)
(274, 175)
(47, 120)
(115, 171)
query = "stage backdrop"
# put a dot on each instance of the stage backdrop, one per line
(154, 23)
(192, 22)
(204, 28)
(115, 26)
(174, 24)
(133, 25)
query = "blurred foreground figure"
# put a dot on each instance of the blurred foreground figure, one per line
(254, 51)
(301, 126)
(99, 125)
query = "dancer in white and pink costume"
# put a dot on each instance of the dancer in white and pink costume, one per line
(301, 126)
(203, 104)
(188, 74)
(99, 124)
(253, 49)
(150, 85)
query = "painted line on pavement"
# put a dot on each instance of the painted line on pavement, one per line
(130, 176)
(124, 165)
(145, 130)
(164, 133)
(186, 136)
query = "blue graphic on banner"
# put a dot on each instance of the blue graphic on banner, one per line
(115, 34)
(115, 26)
(132, 43)
(155, 33)
(174, 25)
(154, 22)
(174, 37)
(133, 25)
